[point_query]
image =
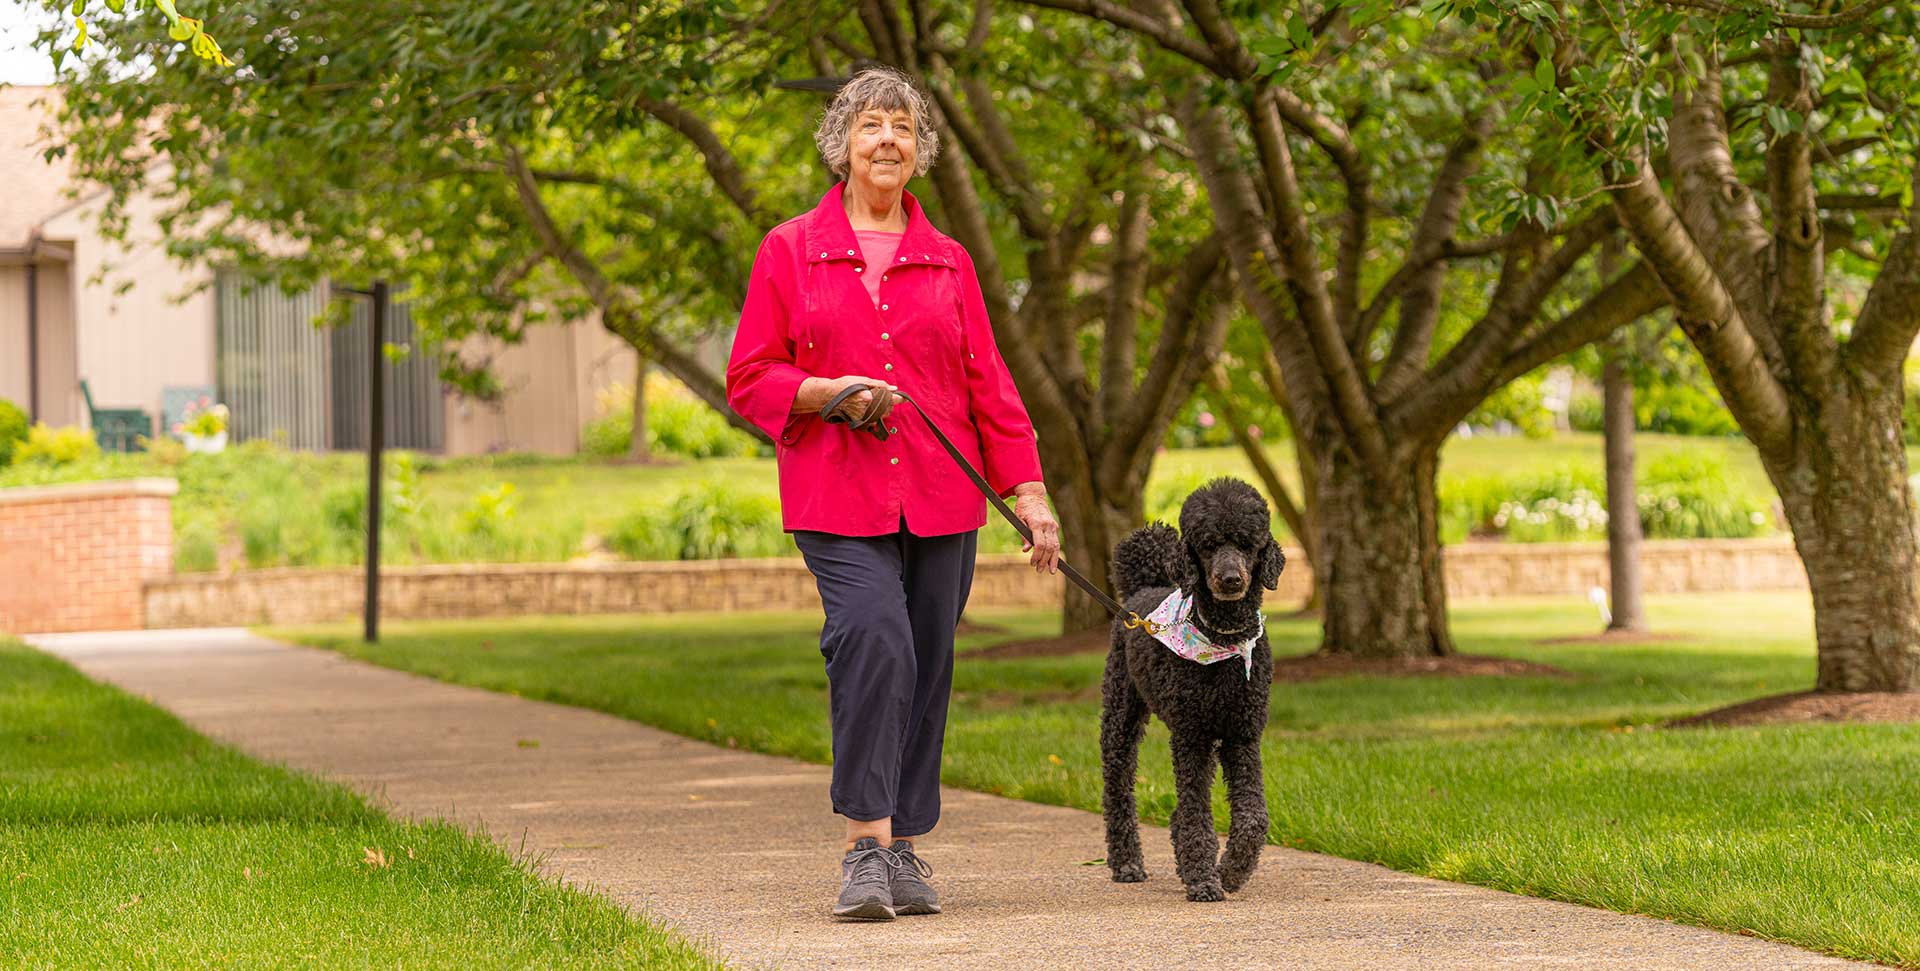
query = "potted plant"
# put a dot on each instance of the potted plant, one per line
(203, 427)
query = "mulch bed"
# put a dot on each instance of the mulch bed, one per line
(1811, 707)
(1295, 670)
(1314, 667)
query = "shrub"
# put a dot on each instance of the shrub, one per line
(168, 452)
(1685, 495)
(1532, 507)
(196, 546)
(57, 446)
(1521, 404)
(13, 430)
(1678, 408)
(1587, 411)
(678, 423)
(1680, 495)
(708, 521)
(490, 511)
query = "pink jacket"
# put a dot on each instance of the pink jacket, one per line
(808, 315)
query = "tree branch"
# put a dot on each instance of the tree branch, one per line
(1632, 296)
(1420, 303)
(617, 312)
(1199, 272)
(1854, 14)
(1856, 202)
(1705, 310)
(1190, 340)
(1716, 206)
(1476, 353)
(1244, 232)
(720, 162)
(997, 168)
(1890, 317)
(1294, 241)
(1165, 34)
(1445, 402)
(1799, 311)
(1125, 290)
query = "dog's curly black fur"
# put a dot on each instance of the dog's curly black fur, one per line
(1225, 546)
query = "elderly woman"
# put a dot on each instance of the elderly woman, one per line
(863, 290)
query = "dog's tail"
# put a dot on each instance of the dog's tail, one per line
(1140, 560)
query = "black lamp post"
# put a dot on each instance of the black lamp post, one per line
(376, 444)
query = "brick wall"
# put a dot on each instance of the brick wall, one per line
(1474, 570)
(78, 557)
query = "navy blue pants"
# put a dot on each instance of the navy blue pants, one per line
(892, 603)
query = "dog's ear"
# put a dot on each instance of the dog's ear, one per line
(1272, 561)
(1180, 569)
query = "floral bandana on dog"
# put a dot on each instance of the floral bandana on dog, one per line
(1178, 632)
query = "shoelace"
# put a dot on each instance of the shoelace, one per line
(878, 855)
(907, 859)
(889, 858)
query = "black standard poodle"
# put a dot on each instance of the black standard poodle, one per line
(1222, 556)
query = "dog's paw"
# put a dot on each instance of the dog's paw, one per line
(1208, 892)
(1234, 879)
(1129, 873)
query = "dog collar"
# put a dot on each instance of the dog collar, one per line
(1180, 635)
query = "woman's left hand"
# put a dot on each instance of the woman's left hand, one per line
(1030, 505)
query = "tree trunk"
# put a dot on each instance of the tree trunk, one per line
(1844, 489)
(1379, 543)
(637, 449)
(1623, 504)
(1090, 526)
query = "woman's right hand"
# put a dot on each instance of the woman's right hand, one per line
(862, 401)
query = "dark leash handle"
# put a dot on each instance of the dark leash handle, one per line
(869, 423)
(1131, 619)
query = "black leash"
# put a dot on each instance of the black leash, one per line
(831, 412)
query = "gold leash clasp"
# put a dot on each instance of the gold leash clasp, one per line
(1135, 620)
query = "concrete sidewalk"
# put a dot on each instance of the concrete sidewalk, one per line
(741, 851)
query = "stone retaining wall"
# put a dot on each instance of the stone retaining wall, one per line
(1474, 570)
(76, 557)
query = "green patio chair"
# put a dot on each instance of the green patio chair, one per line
(117, 429)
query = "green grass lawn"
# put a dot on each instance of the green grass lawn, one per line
(1555, 787)
(127, 841)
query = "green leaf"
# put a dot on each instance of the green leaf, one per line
(117, 6)
(79, 7)
(1543, 73)
(179, 30)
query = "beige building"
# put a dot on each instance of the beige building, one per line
(148, 334)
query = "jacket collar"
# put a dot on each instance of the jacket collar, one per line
(830, 236)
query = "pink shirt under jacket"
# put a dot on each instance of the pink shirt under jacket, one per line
(808, 315)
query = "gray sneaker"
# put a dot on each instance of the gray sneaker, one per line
(864, 893)
(911, 894)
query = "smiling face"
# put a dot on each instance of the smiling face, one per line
(882, 148)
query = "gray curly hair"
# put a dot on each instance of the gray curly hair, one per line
(887, 90)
